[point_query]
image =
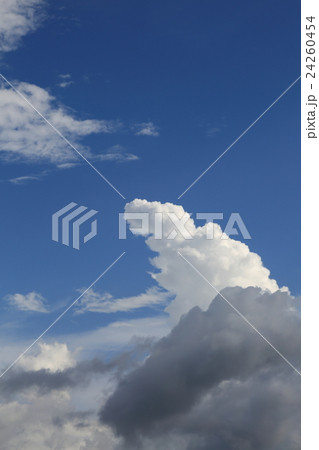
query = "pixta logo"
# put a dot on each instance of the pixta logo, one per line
(67, 222)
(140, 223)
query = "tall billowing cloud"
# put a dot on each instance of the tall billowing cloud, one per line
(224, 262)
(213, 382)
(18, 18)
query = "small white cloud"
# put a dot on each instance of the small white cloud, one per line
(65, 84)
(116, 153)
(65, 76)
(32, 301)
(66, 80)
(69, 165)
(145, 129)
(105, 303)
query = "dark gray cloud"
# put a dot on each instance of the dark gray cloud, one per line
(213, 382)
(44, 381)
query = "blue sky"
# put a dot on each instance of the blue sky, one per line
(200, 74)
(151, 94)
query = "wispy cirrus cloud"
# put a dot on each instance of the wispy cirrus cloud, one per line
(104, 302)
(116, 153)
(25, 136)
(23, 179)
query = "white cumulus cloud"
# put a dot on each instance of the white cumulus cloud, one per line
(224, 262)
(18, 18)
(52, 357)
